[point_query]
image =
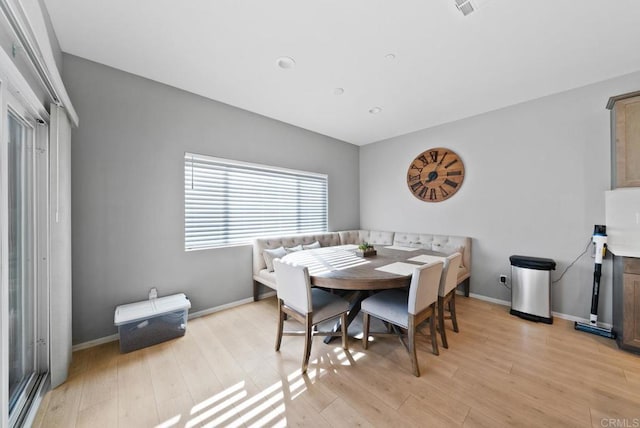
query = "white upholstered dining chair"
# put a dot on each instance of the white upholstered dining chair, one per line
(407, 308)
(447, 294)
(307, 305)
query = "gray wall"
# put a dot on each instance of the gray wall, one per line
(127, 190)
(535, 180)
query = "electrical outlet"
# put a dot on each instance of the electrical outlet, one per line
(503, 279)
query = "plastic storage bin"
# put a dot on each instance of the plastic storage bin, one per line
(531, 288)
(150, 322)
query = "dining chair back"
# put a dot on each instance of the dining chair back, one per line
(307, 305)
(447, 295)
(407, 308)
(423, 290)
(449, 279)
(294, 286)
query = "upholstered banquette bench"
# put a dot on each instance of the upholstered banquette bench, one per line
(265, 250)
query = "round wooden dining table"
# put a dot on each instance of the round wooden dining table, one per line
(339, 268)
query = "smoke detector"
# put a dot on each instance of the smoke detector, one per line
(286, 62)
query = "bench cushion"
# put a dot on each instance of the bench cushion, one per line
(441, 245)
(444, 244)
(328, 239)
(373, 237)
(271, 254)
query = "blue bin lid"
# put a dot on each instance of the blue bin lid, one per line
(537, 263)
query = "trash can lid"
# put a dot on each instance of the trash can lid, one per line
(536, 263)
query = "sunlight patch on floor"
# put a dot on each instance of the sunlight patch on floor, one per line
(170, 422)
(234, 407)
(269, 417)
(347, 360)
(216, 409)
(209, 401)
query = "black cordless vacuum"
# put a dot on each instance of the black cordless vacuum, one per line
(599, 239)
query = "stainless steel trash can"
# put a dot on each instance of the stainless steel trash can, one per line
(531, 288)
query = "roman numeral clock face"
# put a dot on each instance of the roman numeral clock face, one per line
(435, 175)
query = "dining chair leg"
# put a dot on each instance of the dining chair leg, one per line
(388, 326)
(365, 330)
(432, 325)
(452, 309)
(443, 333)
(412, 346)
(280, 325)
(307, 342)
(345, 329)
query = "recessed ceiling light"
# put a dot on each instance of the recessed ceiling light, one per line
(375, 110)
(338, 91)
(285, 62)
(390, 56)
(465, 6)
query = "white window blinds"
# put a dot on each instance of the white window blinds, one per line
(229, 203)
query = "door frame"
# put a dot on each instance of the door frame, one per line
(16, 96)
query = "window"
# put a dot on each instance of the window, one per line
(229, 202)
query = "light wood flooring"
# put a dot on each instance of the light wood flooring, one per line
(498, 371)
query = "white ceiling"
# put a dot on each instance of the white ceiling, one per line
(447, 66)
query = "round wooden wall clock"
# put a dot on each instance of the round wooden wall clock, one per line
(435, 175)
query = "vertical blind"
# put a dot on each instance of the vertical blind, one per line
(229, 202)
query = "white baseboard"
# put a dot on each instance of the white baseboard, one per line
(229, 305)
(95, 342)
(490, 299)
(114, 337)
(209, 311)
(578, 319)
(555, 314)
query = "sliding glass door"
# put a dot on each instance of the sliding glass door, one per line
(24, 255)
(22, 286)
